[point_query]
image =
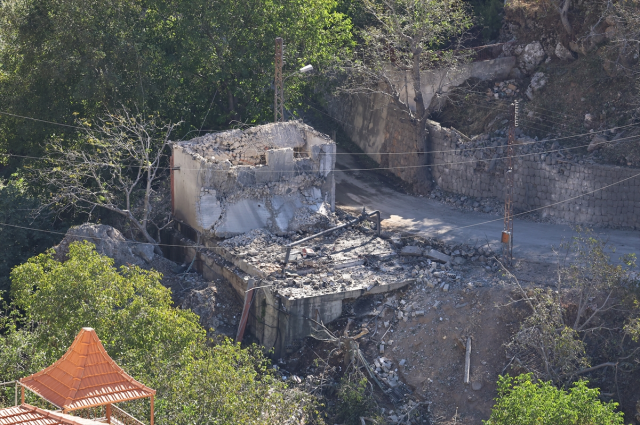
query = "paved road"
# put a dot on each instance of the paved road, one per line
(433, 219)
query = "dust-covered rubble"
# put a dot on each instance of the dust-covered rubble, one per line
(351, 259)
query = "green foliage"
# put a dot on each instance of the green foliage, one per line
(355, 400)
(524, 402)
(558, 347)
(19, 243)
(160, 345)
(61, 57)
(129, 308)
(489, 14)
(567, 323)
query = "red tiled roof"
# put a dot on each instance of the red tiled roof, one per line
(85, 376)
(30, 415)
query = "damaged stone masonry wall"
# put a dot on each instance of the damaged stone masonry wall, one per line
(276, 176)
(380, 128)
(474, 168)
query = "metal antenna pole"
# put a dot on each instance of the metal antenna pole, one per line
(278, 106)
(507, 233)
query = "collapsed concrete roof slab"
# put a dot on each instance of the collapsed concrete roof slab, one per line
(275, 176)
(345, 264)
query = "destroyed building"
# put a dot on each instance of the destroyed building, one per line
(276, 176)
(248, 206)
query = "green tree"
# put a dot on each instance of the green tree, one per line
(489, 14)
(407, 38)
(129, 308)
(19, 243)
(175, 58)
(567, 323)
(163, 346)
(118, 164)
(524, 402)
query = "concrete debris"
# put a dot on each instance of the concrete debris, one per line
(385, 371)
(432, 254)
(409, 250)
(276, 176)
(344, 260)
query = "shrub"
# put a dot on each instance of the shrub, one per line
(197, 381)
(524, 402)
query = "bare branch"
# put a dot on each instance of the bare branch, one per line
(117, 165)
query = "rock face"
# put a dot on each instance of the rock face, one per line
(532, 55)
(563, 53)
(597, 142)
(108, 241)
(538, 81)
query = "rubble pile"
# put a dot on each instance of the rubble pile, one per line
(385, 371)
(503, 89)
(469, 203)
(246, 147)
(353, 258)
(343, 260)
(405, 413)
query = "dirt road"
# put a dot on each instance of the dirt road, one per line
(533, 241)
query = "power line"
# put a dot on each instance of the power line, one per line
(455, 228)
(417, 152)
(39, 120)
(629, 138)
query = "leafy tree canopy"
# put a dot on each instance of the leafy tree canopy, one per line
(524, 402)
(178, 58)
(19, 243)
(158, 344)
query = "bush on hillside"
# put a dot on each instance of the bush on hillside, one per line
(524, 402)
(164, 347)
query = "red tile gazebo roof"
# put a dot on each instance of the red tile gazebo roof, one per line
(30, 415)
(85, 376)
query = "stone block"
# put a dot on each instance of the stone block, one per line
(435, 255)
(410, 250)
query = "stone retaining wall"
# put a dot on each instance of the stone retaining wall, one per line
(541, 181)
(470, 169)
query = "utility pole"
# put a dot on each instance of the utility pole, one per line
(278, 106)
(507, 233)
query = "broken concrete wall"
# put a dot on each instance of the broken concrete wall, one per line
(276, 176)
(441, 80)
(380, 128)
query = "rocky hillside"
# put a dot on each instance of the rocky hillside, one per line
(574, 87)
